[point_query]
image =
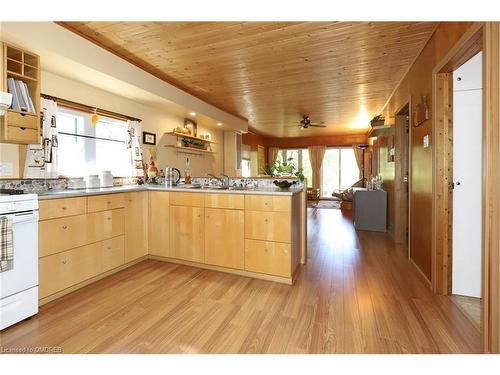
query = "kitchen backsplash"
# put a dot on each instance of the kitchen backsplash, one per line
(62, 183)
(33, 186)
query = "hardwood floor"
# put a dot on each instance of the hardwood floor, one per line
(357, 294)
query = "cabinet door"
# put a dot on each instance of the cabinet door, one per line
(225, 237)
(136, 224)
(187, 229)
(159, 223)
(113, 253)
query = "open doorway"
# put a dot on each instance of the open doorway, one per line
(458, 196)
(402, 177)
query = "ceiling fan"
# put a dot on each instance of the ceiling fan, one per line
(307, 123)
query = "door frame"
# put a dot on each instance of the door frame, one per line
(402, 151)
(483, 37)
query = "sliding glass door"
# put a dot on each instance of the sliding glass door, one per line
(339, 171)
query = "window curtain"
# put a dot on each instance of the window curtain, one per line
(272, 155)
(134, 144)
(316, 154)
(41, 159)
(358, 154)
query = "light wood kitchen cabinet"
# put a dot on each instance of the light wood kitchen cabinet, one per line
(60, 271)
(233, 201)
(65, 233)
(268, 203)
(187, 232)
(268, 226)
(136, 225)
(51, 209)
(159, 223)
(187, 199)
(113, 253)
(267, 257)
(225, 237)
(105, 202)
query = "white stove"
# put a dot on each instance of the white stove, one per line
(19, 283)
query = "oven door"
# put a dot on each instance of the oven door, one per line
(24, 272)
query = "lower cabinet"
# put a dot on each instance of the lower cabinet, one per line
(225, 237)
(136, 225)
(113, 253)
(159, 223)
(273, 258)
(63, 270)
(187, 233)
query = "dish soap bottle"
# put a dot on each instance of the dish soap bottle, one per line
(187, 173)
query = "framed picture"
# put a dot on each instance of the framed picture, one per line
(149, 138)
(191, 125)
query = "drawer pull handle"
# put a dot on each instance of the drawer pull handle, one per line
(108, 218)
(64, 227)
(266, 220)
(63, 262)
(109, 247)
(108, 202)
(64, 208)
(266, 203)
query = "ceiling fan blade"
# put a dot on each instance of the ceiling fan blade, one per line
(317, 126)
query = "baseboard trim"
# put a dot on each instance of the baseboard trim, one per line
(421, 274)
(254, 275)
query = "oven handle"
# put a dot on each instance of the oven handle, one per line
(23, 217)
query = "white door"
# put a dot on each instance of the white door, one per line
(467, 176)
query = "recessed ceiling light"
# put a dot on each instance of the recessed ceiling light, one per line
(219, 124)
(192, 113)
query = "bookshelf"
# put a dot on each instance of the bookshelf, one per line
(20, 127)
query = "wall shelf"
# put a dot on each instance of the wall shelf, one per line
(175, 134)
(190, 150)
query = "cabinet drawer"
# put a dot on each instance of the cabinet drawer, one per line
(269, 226)
(25, 136)
(23, 121)
(60, 271)
(57, 235)
(54, 208)
(105, 202)
(268, 203)
(187, 199)
(271, 258)
(113, 253)
(231, 201)
(61, 234)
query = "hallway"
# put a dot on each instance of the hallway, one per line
(357, 294)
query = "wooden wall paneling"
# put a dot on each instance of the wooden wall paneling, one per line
(417, 82)
(304, 142)
(290, 68)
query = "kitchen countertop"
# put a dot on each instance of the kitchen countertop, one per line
(54, 194)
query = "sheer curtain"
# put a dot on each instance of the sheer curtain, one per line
(358, 154)
(316, 154)
(134, 144)
(41, 159)
(273, 155)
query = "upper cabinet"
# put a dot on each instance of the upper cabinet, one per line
(21, 78)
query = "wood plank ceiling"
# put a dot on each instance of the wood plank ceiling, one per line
(271, 73)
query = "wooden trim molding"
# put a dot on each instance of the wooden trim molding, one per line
(491, 259)
(442, 177)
